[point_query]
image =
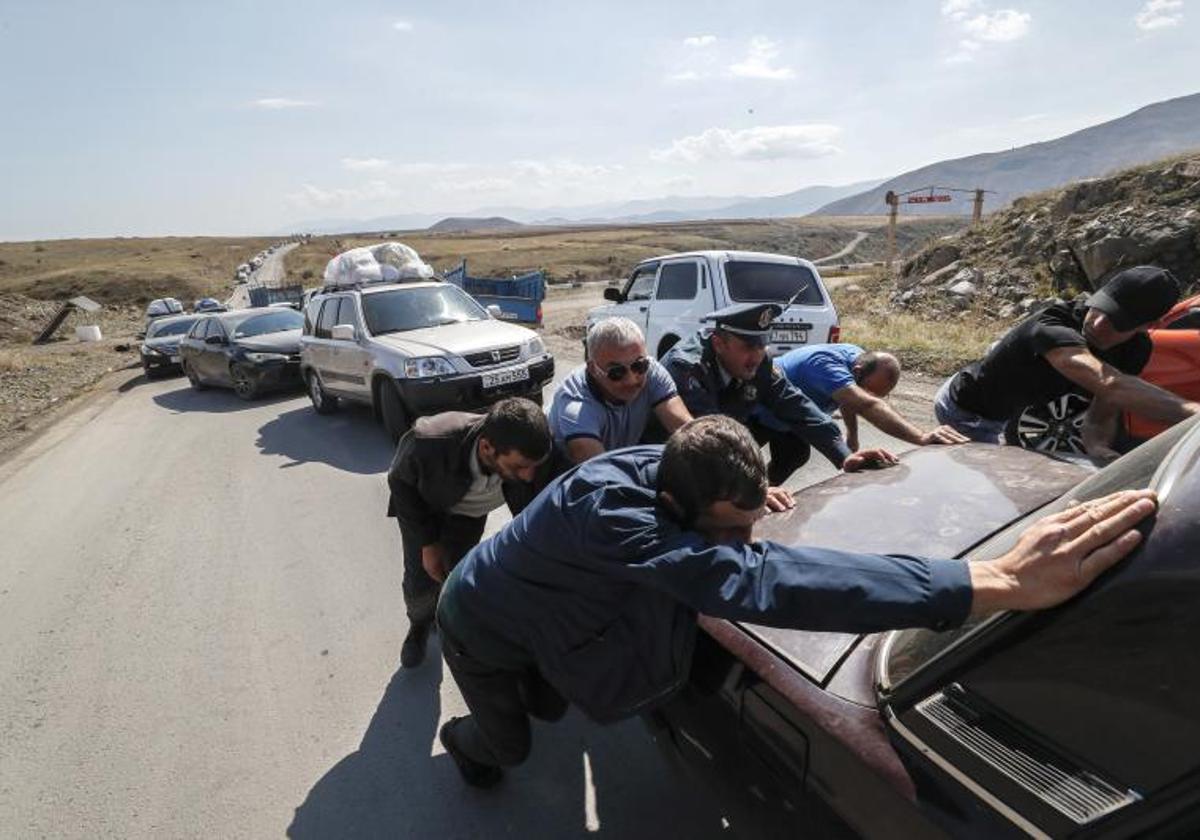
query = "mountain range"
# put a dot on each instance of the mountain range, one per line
(1149, 133)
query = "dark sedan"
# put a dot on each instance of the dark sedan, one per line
(160, 348)
(1080, 721)
(249, 350)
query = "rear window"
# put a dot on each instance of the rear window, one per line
(281, 321)
(173, 328)
(776, 282)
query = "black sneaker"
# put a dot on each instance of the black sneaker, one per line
(412, 652)
(474, 773)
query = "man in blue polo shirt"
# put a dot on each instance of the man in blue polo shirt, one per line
(605, 404)
(845, 377)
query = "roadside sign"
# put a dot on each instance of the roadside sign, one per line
(926, 199)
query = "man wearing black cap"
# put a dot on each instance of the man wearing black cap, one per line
(1095, 346)
(728, 372)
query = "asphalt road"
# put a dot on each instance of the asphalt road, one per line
(201, 613)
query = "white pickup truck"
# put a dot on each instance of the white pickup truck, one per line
(668, 295)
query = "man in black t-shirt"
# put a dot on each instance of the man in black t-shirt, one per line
(1095, 346)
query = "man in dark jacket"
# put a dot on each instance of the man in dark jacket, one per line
(595, 587)
(729, 372)
(449, 472)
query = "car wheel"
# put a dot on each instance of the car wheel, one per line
(149, 371)
(1054, 426)
(196, 382)
(243, 383)
(322, 402)
(391, 409)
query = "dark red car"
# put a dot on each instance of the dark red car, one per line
(1174, 364)
(1080, 721)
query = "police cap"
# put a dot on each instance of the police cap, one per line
(748, 320)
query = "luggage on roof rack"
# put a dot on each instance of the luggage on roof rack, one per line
(387, 262)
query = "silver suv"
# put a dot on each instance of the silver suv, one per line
(408, 349)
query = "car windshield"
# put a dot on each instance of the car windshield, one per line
(911, 650)
(279, 321)
(778, 282)
(173, 328)
(422, 306)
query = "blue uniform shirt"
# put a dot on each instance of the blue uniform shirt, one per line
(579, 409)
(820, 369)
(598, 586)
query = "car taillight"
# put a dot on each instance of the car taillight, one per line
(539, 314)
(835, 334)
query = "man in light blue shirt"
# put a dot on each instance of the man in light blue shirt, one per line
(605, 404)
(845, 377)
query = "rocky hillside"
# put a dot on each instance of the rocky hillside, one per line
(1061, 243)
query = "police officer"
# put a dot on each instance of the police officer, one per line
(728, 372)
(591, 595)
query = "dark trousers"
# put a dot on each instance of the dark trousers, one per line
(501, 701)
(789, 451)
(459, 534)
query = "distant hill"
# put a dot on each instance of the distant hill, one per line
(1149, 133)
(466, 224)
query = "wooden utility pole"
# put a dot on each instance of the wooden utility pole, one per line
(977, 211)
(893, 201)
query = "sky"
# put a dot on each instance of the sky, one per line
(157, 118)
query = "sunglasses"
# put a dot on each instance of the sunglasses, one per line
(617, 371)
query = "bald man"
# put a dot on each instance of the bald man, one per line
(845, 377)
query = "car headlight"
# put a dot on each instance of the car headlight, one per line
(259, 358)
(534, 347)
(147, 350)
(427, 366)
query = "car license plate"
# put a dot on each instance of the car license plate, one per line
(789, 336)
(505, 377)
(174, 360)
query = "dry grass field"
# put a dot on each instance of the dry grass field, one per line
(604, 252)
(116, 271)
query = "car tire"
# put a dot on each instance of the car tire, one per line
(243, 383)
(322, 401)
(1055, 426)
(194, 378)
(149, 371)
(391, 411)
(666, 344)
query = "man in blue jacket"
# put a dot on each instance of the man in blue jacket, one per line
(590, 595)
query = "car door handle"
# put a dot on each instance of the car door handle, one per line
(642, 308)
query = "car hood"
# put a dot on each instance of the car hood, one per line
(163, 342)
(467, 337)
(939, 502)
(287, 341)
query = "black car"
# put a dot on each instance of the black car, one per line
(1079, 721)
(160, 347)
(249, 350)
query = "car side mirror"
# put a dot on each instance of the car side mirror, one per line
(215, 339)
(494, 311)
(141, 336)
(342, 332)
(614, 294)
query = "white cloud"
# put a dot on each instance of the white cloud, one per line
(758, 62)
(1159, 14)
(700, 41)
(365, 164)
(279, 103)
(1003, 25)
(977, 26)
(765, 142)
(476, 185)
(966, 52)
(310, 196)
(959, 9)
(402, 26)
(684, 76)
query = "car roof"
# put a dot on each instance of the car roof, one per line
(236, 316)
(748, 256)
(163, 320)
